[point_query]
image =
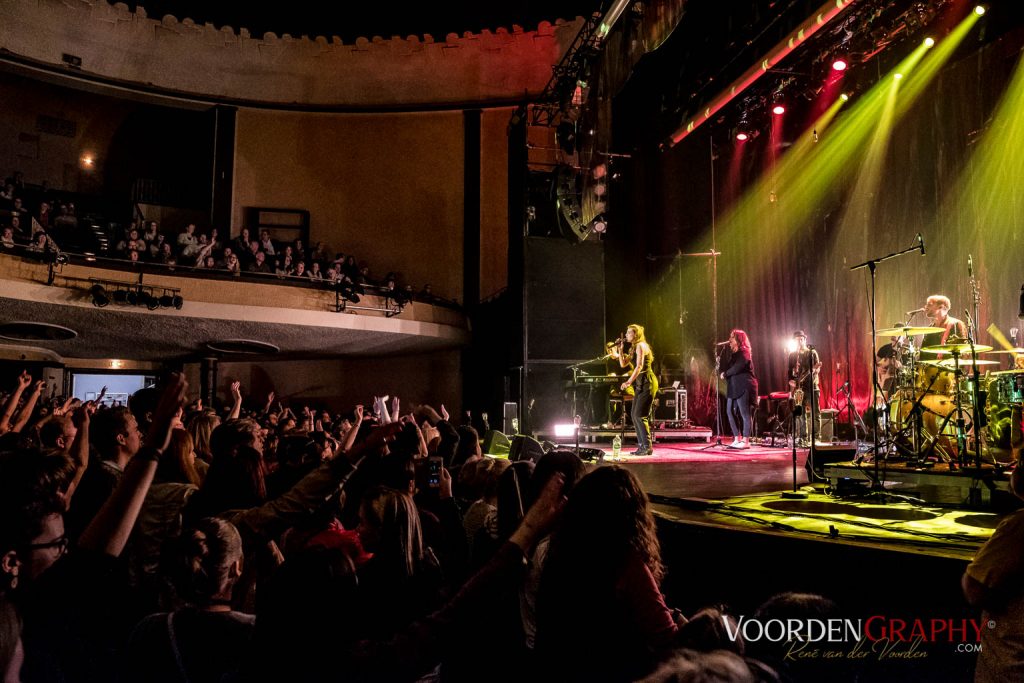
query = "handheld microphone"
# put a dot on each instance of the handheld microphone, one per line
(721, 343)
(915, 311)
(970, 266)
(920, 243)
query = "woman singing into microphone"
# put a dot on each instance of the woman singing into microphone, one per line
(645, 385)
(741, 388)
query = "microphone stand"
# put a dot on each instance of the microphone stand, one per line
(718, 401)
(872, 266)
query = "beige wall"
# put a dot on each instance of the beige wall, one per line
(432, 378)
(386, 187)
(224, 61)
(494, 202)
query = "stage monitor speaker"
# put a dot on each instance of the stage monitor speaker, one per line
(510, 418)
(525, 448)
(828, 454)
(495, 443)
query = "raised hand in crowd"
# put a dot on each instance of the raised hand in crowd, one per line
(30, 405)
(24, 379)
(394, 409)
(444, 414)
(236, 395)
(78, 449)
(540, 519)
(109, 530)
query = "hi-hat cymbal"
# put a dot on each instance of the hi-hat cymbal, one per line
(909, 331)
(1015, 350)
(958, 348)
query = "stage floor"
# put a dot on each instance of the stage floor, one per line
(746, 491)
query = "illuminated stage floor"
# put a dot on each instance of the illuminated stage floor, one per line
(742, 490)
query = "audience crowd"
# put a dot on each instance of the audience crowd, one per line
(167, 540)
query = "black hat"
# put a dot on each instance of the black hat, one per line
(799, 333)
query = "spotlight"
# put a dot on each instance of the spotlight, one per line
(178, 302)
(897, 76)
(99, 296)
(120, 296)
(348, 291)
(166, 301)
(979, 10)
(742, 137)
(844, 97)
(839, 64)
(148, 300)
(929, 41)
(791, 345)
(779, 110)
(599, 225)
(132, 297)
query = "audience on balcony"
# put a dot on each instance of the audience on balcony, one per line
(145, 241)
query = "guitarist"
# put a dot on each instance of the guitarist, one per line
(804, 368)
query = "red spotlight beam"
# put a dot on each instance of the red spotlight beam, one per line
(814, 23)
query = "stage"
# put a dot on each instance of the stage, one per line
(929, 511)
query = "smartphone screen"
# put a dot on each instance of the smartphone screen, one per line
(434, 471)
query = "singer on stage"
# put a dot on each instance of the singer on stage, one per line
(936, 307)
(742, 388)
(644, 383)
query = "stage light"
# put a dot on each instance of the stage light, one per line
(120, 296)
(839, 64)
(779, 110)
(844, 97)
(599, 225)
(791, 345)
(166, 301)
(897, 76)
(929, 41)
(979, 10)
(99, 296)
(178, 302)
(148, 300)
(742, 137)
(564, 430)
(132, 297)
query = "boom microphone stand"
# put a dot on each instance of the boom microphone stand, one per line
(872, 265)
(718, 401)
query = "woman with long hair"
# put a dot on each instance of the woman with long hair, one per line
(402, 581)
(741, 388)
(601, 576)
(645, 384)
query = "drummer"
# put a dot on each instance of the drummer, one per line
(936, 307)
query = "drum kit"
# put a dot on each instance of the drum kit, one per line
(929, 398)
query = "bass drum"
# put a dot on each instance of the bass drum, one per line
(933, 411)
(1005, 398)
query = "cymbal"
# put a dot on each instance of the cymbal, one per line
(948, 364)
(959, 348)
(1015, 350)
(909, 331)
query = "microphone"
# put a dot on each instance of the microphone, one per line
(915, 311)
(920, 243)
(1020, 311)
(721, 343)
(970, 266)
